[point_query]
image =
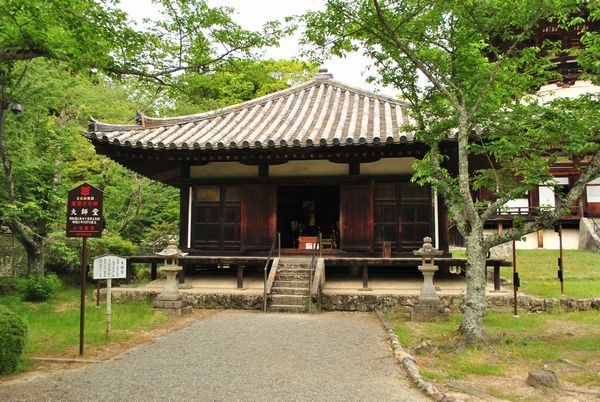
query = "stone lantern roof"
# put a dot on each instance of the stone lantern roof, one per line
(172, 251)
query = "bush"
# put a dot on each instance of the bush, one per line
(38, 289)
(13, 334)
(9, 284)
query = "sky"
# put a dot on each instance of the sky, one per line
(252, 14)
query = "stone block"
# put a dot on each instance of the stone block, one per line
(551, 305)
(177, 311)
(568, 304)
(543, 379)
(584, 304)
(169, 296)
(426, 310)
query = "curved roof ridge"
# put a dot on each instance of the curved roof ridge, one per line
(226, 109)
(370, 94)
(305, 117)
(144, 122)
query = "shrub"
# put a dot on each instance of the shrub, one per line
(13, 334)
(9, 284)
(41, 288)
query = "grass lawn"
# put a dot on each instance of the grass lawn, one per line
(54, 325)
(538, 272)
(515, 346)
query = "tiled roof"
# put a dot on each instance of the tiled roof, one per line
(320, 112)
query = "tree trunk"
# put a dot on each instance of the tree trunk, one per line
(473, 308)
(36, 258)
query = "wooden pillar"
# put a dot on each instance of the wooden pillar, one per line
(240, 276)
(153, 274)
(181, 275)
(540, 238)
(497, 277)
(365, 276)
(128, 271)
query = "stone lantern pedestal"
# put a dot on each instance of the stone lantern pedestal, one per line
(429, 306)
(170, 300)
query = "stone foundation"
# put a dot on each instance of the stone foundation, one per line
(175, 307)
(363, 301)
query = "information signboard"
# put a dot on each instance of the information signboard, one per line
(84, 212)
(110, 267)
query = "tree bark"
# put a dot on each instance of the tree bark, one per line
(36, 257)
(473, 307)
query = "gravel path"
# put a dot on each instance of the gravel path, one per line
(241, 356)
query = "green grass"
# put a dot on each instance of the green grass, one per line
(538, 272)
(530, 342)
(54, 325)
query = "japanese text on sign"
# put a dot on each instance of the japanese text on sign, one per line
(110, 267)
(84, 212)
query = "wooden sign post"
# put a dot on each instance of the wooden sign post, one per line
(84, 219)
(109, 267)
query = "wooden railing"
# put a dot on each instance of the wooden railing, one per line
(312, 267)
(530, 211)
(276, 242)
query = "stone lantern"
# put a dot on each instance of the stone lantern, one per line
(170, 300)
(429, 306)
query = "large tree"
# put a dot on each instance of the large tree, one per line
(90, 37)
(468, 68)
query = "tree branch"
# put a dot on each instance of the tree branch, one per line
(25, 54)
(416, 60)
(590, 173)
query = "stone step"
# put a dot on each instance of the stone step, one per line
(290, 269)
(290, 276)
(294, 265)
(294, 260)
(290, 284)
(290, 291)
(289, 300)
(282, 308)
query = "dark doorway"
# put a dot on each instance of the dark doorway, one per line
(306, 210)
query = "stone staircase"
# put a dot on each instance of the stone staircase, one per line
(290, 290)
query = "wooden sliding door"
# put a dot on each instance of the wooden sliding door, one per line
(216, 218)
(259, 209)
(356, 216)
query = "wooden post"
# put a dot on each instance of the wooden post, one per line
(496, 277)
(84, 258)
(108, 307)
(515, 278)
(365, 277)
(128, 268)
(240, 276)
(153, 273)
(181, 275)
(560, 261)
(540, 238)
(98, 280)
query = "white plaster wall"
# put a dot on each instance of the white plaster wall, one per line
(570, 240)
(553, 91)
(388, 166)
(308, 168)
(223, 169)
(593, 192)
